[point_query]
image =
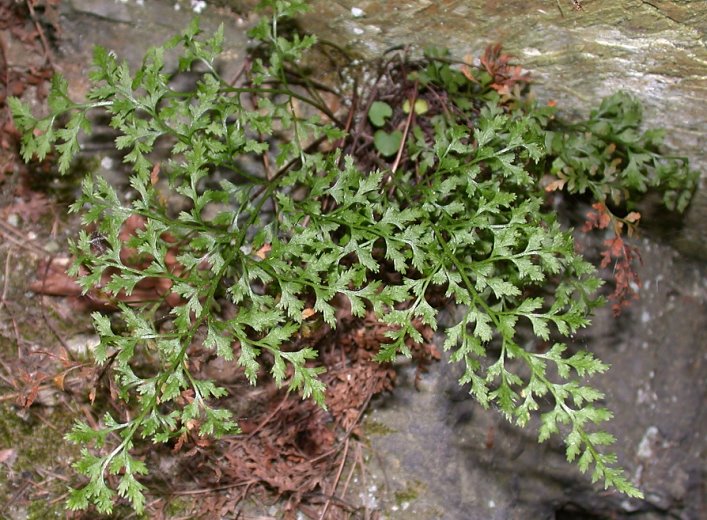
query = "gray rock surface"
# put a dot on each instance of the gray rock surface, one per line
(469, 463)
(130, 27)
(653, 49)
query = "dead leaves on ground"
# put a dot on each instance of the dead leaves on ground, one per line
(30, 207)
(26, 30)
(626, 279)
(54, 280)
(291, 447)
(27, 386)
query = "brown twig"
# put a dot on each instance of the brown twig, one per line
(269, 417)
(559, 7)
(405, 131)
(13, 235)
(44, 314)
(3, 303)
(203, 491)
(46, 473)
(7, 277)
(58, 499)
(45, 44)
(336, 480)
(15, 395)
(243, 69)
(348, 432)
(3, 51)
(9, 371)
(48, 424)
(294, 161)
(358, 461)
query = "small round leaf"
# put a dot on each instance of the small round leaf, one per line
(387, 144)
(379, 112)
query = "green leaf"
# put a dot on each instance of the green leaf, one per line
(379, 112)
(387, 143)
(482, 329)
(247, 359)
(421, 107)
(133, 490)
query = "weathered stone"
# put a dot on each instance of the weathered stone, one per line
(475, 465)
(130, 28)
(655, 50)
(83, 344)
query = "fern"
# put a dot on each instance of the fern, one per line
(462, 215)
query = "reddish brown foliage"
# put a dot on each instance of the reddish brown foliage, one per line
(290, 446)
(598, 218)
(617, 251)
(626, 278)
(27, 386)
(30, 207)
(505, 76)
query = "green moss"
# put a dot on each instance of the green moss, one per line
(42, 509)
(33, 440)
(177, 506)
(38, 447)
(373, 427)
(410, 492)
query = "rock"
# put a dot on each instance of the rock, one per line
(655, 50)
(8, 456)
(82, 344)
(472, 464)
(47, 396)
(129, 29)
(13, 219)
